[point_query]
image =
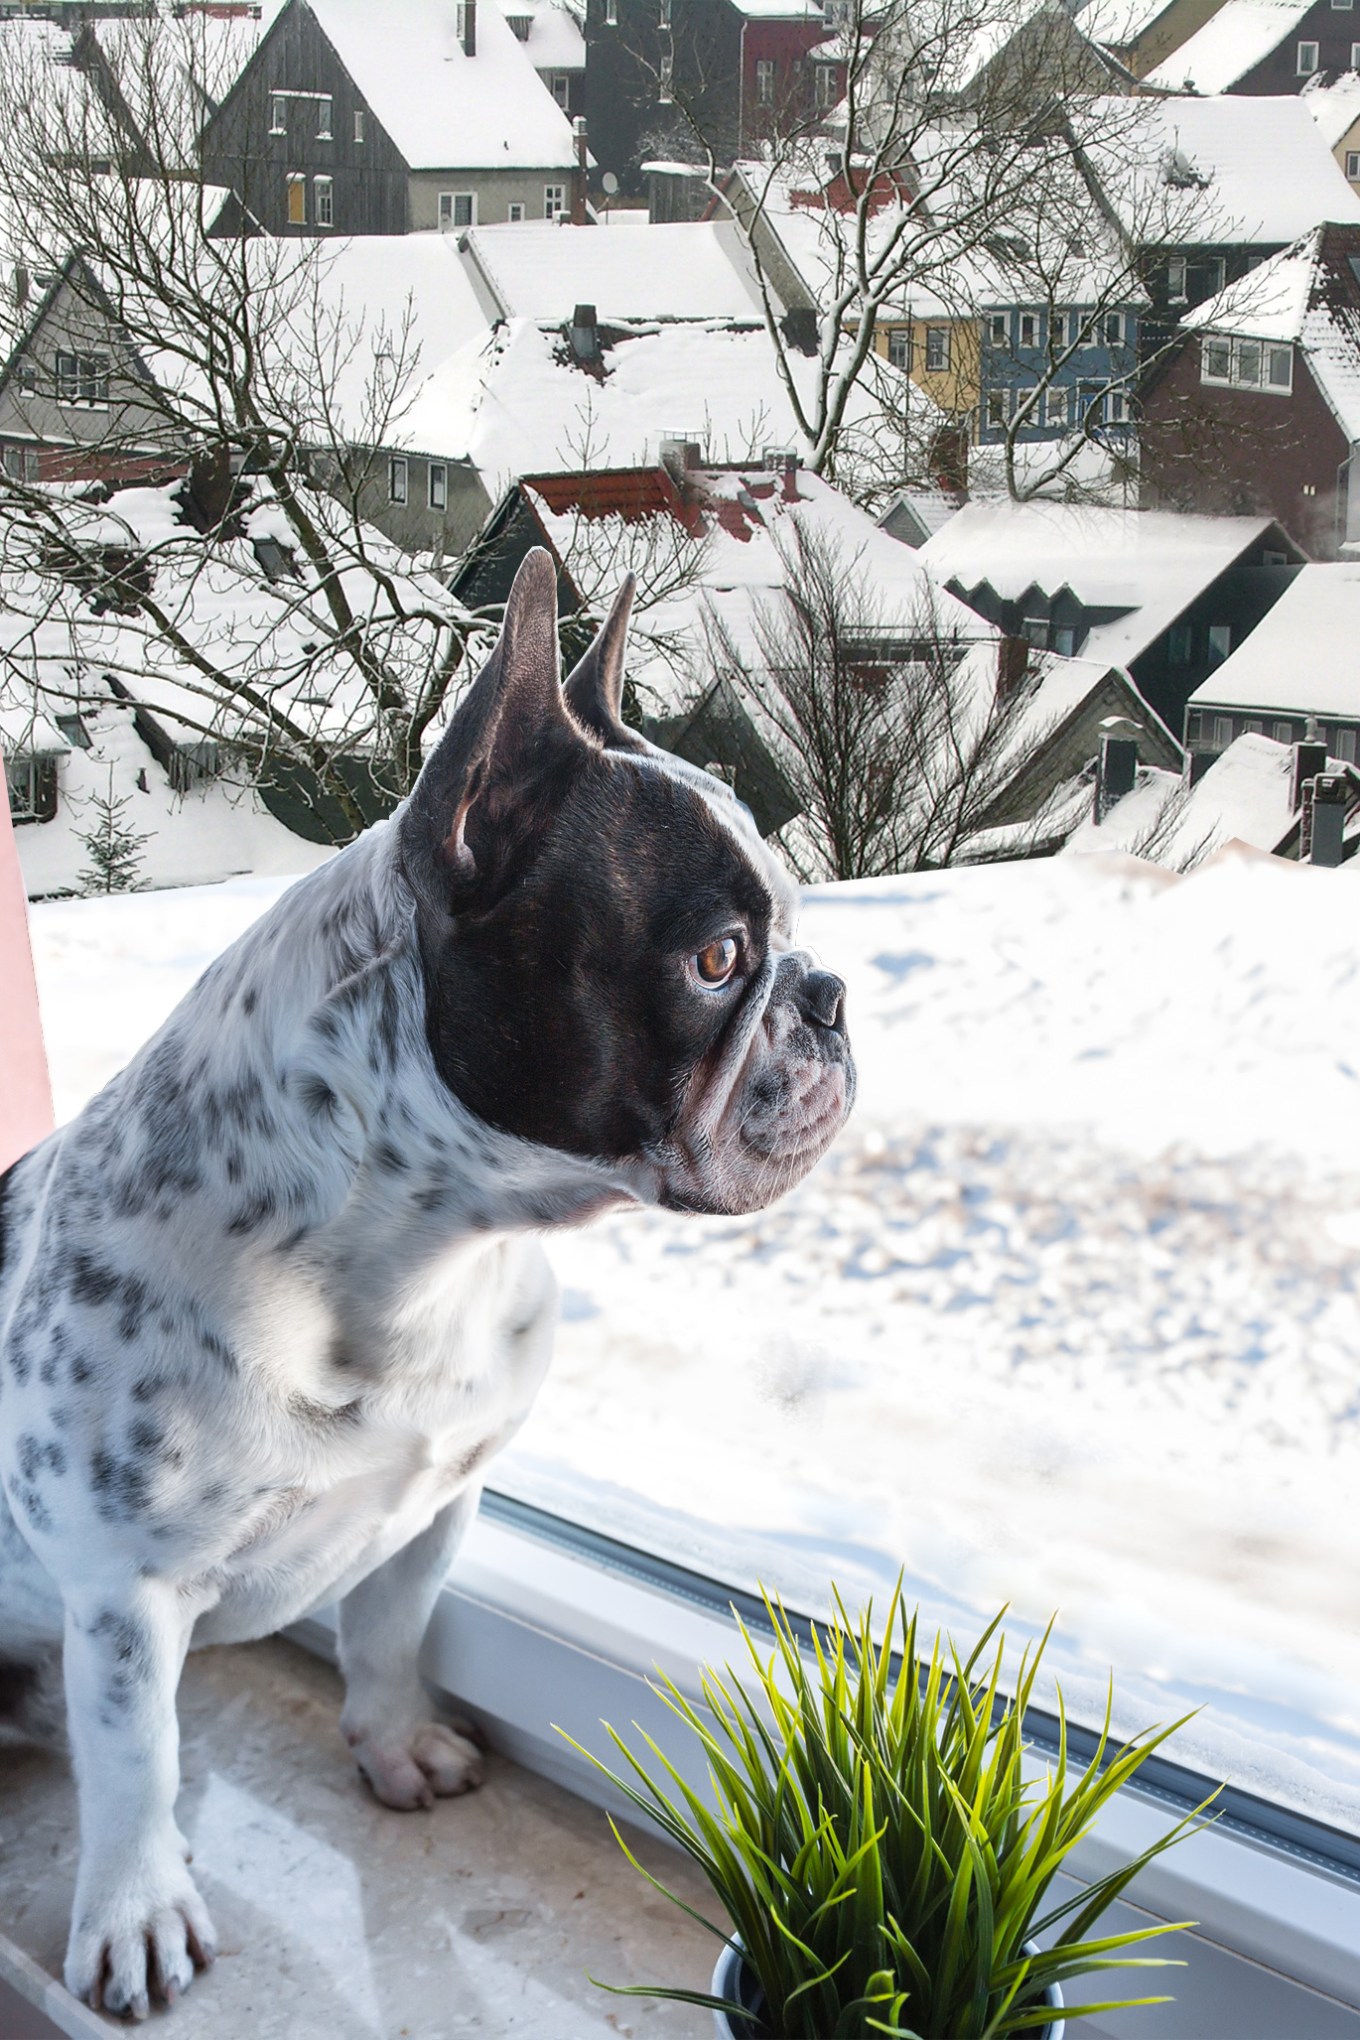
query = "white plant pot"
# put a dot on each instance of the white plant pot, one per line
(732, 1979)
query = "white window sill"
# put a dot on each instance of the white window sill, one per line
(528, 1634)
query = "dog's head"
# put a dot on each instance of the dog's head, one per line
(607, 943)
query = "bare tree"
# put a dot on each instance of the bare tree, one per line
(894, 734)
(231, 364)
(963, 163)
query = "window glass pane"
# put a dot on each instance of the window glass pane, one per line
(1216, 360)
(1247, 363)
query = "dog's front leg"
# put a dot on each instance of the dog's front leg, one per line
(407, 1756)
(139, 1927)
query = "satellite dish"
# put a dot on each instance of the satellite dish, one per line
(609, 183)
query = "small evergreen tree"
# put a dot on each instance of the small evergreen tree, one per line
(113, 847)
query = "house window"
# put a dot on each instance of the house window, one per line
(1253, 728)
(396, 480)
(663, 18)
(439, 485)
(665, 78)
(323, 118)
(1180, 644)
(1282, 732)
(1113, 329)
(1029, 329)
(611, 13)
(1065, 641)
(559, 84)
(516, 210)
(1246, 364)
(1058, 408)
(278, 113)
(297, 201)
(323, 201)
(1220, 642)
(765, 81)
(1345, 745)
(32, 787)
(1353, 155)
(937, 348)
(75, 732)
(457, 209)
(1223, 732)
(1342, 6)
(358, 125)
(21, 463)
(1116, 408)
(1308, 59)
(1355, 56)
(999, 329)
(1057, 328)
(1175, 279)
(554, 201)
(1034, 630)
(82, 378)
(899, 347)
(997, 409)
(824, 84)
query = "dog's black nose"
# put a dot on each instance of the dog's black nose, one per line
(821, 997)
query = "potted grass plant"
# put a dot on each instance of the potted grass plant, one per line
(884, 1843)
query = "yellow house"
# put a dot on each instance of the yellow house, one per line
(1143, 33)
(940, 350)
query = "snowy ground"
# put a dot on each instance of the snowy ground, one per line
(1070, 1318)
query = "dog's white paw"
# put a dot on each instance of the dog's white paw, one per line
(432, 1762)
(138, 1940)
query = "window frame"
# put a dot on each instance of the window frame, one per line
(516, 211)
(39, 775)
(535, 1605)
(84, 385)
(1355, 56)
(468, 199)
(295, 185)
(765, 74)
(900, 350)
(360, 125)
(323, 200)
(325, 117)
(554, 201)
(398, 479)
(1304, 69)
(1353, 165)
(278, 113)
(940, 339)
(437, 492)
(1240, 348)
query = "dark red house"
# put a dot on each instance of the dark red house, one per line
(1258, 409)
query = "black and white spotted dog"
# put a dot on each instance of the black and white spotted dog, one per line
(269, 1305)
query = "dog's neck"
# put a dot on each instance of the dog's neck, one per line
(294, 1098)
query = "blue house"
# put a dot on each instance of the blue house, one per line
(1056, 369)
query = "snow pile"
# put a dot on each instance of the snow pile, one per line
(1070, 1317)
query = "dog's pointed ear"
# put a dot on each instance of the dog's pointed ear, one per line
(510, 731)
(595, 689)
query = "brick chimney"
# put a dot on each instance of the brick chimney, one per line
(1116, 774)
(1323, 824)
(1012, 664)
(467, 26)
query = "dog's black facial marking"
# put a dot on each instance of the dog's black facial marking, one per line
(561, 1014)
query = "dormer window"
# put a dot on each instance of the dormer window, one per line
(520, 26)
(1246, 364)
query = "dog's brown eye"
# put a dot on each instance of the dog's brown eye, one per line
(716, 963)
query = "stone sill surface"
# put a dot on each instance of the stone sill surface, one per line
(342, 1920)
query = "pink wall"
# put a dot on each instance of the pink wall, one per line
(25, 1089)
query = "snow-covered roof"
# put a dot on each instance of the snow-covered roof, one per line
(1308, 295)
(1151, 564)
(26, 731)
(1334, 103)
(443, 109)
(1116, 24)
(1250, 170)
(926, 509)
(734, 518)
(1303, 657)
(537, 269)
(1244, 797)
(513, 402)
(779, 10)
(556, 39)
(1232, 42)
